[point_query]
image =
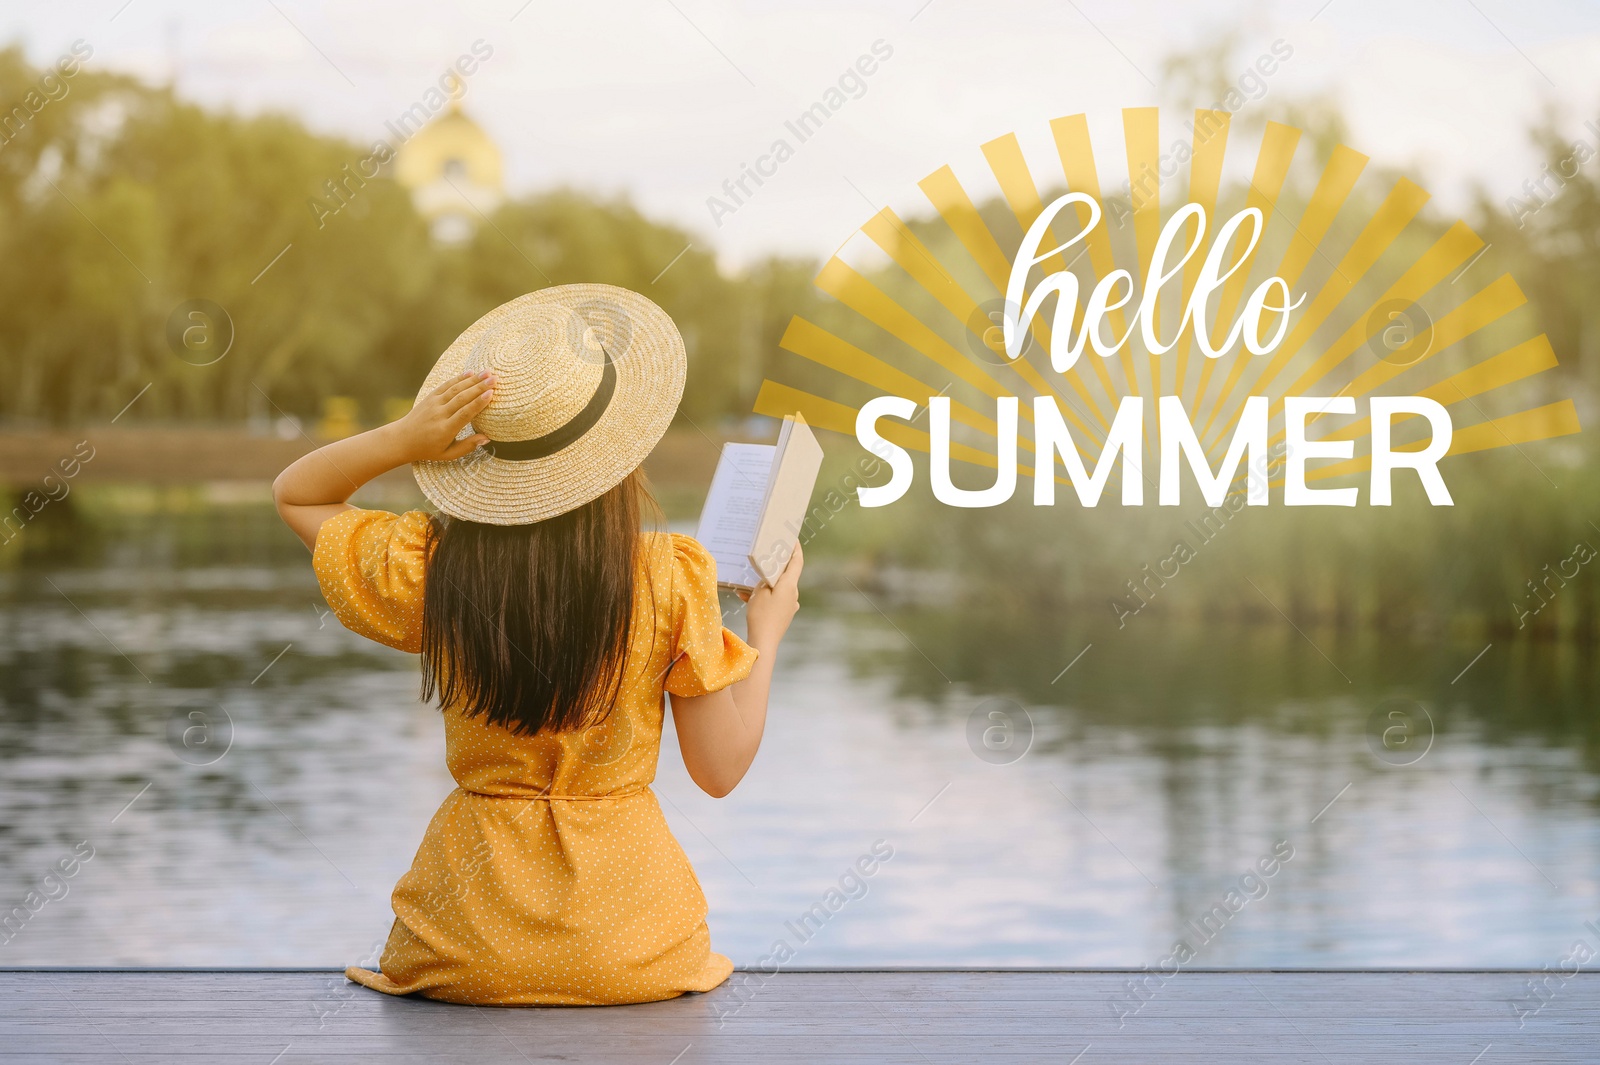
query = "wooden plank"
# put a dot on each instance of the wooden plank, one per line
(283, 1018)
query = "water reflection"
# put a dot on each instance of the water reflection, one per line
(1162, 765)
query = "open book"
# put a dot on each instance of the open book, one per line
(757, 504)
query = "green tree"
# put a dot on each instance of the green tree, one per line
(122, 202)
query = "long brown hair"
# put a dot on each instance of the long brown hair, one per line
(529, 626)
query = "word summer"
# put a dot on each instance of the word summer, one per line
(1267, 308)
(1179, 445)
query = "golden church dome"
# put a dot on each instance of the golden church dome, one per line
(454, 172)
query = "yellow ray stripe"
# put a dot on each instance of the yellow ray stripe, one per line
(776, 401)
(1490, 303)
(1448, 252)
(1344, 168)
(944, 191)
(1458, 244)
(1142, 139)
(1392, 216)
(1532, 356)
(1205, 177)
(1077, 166)
(896, 239)
(1402, 204)
(815, 343)
(1485, 306)
(1333, 188)
(1011, 172)
(1272, 168)
(1524, 427)
(1512, 365)
(1022, 196)
(844, 284)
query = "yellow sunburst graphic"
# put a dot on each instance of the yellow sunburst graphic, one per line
(1392, 303)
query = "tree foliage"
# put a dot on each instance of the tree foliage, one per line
(119, 203)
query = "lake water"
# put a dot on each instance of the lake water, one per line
(1036, 817)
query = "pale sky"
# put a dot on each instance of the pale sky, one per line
(667, 99)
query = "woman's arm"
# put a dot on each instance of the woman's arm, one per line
(720, 733)
(314, 488)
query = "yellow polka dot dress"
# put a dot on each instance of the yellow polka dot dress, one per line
(549, 875)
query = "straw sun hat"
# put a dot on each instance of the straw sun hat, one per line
(587, 378)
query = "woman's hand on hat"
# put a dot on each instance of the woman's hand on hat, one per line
(427, 432)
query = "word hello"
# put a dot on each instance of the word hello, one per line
(1260, 328)
(1104, 298)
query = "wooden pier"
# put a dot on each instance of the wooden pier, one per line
(294, 1017)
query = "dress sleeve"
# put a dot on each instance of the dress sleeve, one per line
(706, 656)
(370, 565)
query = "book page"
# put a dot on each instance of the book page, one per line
(732, 512)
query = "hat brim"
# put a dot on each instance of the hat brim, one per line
(650, 371)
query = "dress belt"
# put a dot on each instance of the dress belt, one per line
(620, 794)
